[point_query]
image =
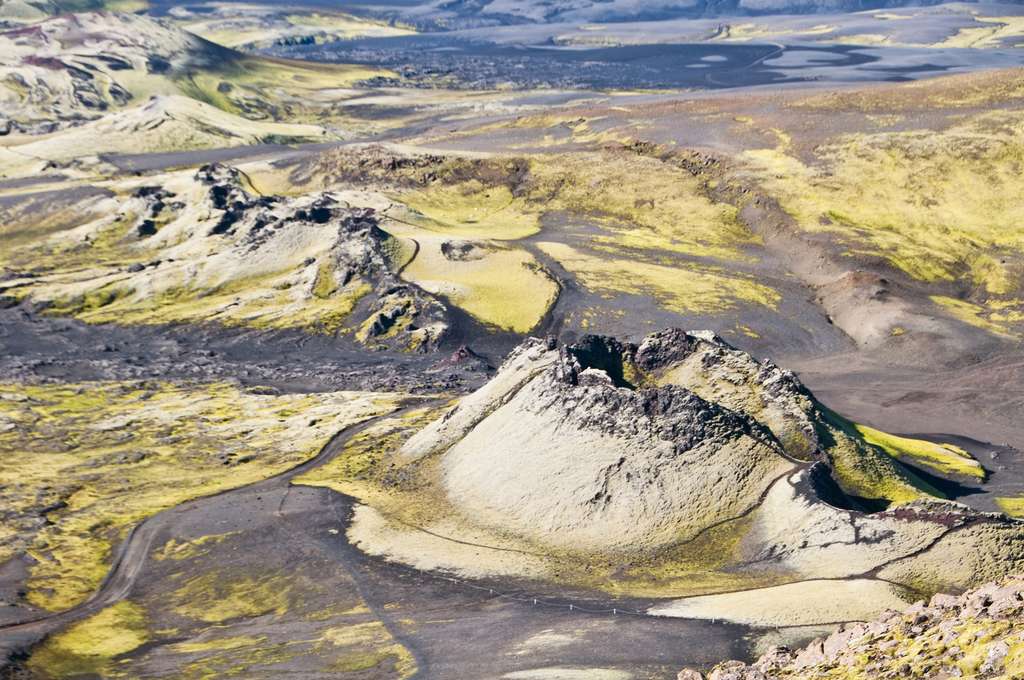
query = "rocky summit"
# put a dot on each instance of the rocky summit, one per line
(656, 457)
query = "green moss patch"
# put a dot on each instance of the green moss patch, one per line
(1014, 507)
(946, 459)
(91, 647)
(97, 458)
(867, 471)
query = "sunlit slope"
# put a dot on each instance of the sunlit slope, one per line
(76, 67)
(941, 206)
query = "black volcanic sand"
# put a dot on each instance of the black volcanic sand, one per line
(36, 347)
(473, 64)
(450, 60)
(975, 405)
(452, 630)
(796, 326)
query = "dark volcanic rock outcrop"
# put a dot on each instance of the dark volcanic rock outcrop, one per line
(385, 311)
(597, 465)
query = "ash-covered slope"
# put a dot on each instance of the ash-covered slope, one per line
(977, 634)
(681, 429)
(569, 458)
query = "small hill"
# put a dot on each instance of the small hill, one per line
(979, 634)
(659, 464)
(162, 124)
(675, 425)
(74, 68)
(203, 246)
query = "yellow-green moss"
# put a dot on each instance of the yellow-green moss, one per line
(362, 456)
(325, 284)
(640, 202)
(400, 252)
(104, 456)
(473, 210)
(938, 205)
(218, 645)
(369, 646)
(347, 641)
(266, 301)
(643, 203)
(868, 471)
(174, 549)
(1014, 507)
(692, 288)
(214, 664)
(223, 596)
(698, 567)
(953, 648)
(989, 317)
(502, 287)
(89, 647)
(990, 32)
(259, 86)
(945, 459)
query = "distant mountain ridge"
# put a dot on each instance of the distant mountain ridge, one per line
(441, 15)
(476, 13)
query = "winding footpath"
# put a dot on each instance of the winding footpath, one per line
(131, 555)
